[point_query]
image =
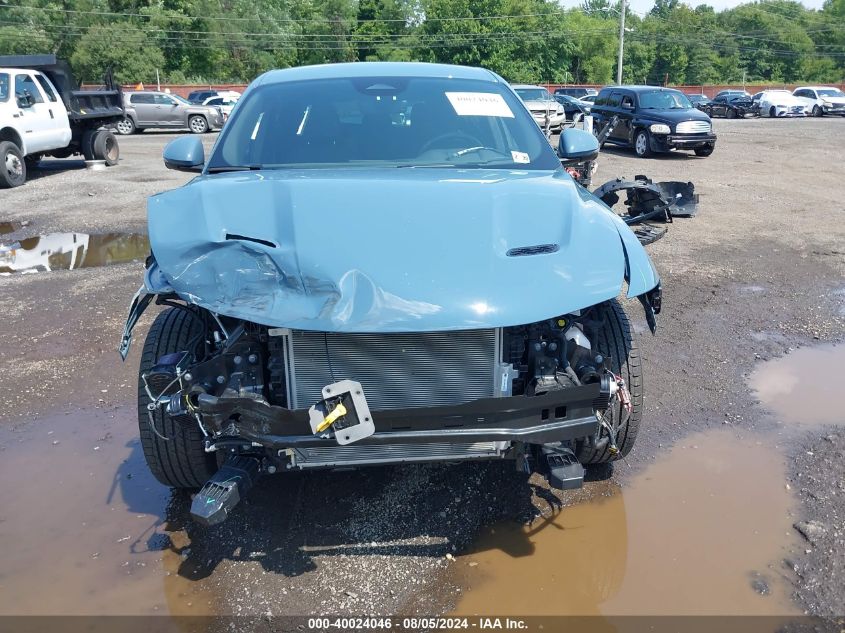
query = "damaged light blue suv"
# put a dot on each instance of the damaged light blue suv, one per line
(382, 263)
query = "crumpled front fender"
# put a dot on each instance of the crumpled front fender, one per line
(640, 273)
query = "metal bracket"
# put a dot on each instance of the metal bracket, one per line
(356, 424)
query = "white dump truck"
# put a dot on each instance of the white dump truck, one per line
(43, 113)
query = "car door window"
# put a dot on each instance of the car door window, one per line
(141, 99)
(164, 100)
(24, 84)
(628, 102)
(45, 85)
(614, 100)
(4, 87)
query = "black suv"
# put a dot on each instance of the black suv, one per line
(653, 119)
(576, 92)
(198, 96)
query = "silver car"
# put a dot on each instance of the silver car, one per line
(541, 104)
(148, 109)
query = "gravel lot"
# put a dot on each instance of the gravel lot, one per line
(759, 272)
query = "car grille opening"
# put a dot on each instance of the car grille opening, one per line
(693, 127)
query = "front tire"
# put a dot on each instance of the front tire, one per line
(12, 166)
(642, 144)
(125, 126)
(617, 343)
(773, 112)
(197, 124)
(704, 151)
(817, 111)
(181, 460)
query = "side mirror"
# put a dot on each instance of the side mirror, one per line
(577, 146)
(184, 154)
(627, 106)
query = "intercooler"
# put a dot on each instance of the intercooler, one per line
(402, 370)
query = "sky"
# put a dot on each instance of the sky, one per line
(643, 6)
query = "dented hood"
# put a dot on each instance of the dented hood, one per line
(388, 250)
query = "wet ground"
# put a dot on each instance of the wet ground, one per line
(732, 501)
(627, 551)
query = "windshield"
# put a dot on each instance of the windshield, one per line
(381, 122)
(533, 94)
(4, 86)
(180, 99)
(827, 92)
(664, 100)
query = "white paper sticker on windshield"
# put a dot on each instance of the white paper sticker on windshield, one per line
(520, 157)
(479, 104)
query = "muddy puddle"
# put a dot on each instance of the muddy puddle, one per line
(68, 251)
(9, 227)
(803, 387)
(85, 528)
(702, 531)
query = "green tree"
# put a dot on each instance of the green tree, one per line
(124, 47)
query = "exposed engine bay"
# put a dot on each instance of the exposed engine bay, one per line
(274, 399)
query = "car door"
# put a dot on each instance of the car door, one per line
(144, 107)
(625, 109)
(807, 97)
(37, 126)
(169, 111)
(59, 126)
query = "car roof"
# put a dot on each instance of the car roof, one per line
(376, 69)
(638, 89)
(815, 87)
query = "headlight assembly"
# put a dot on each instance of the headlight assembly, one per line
(660, 128)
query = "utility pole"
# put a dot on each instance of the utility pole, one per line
(621, 43)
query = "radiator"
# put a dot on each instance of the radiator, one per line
(417, 369)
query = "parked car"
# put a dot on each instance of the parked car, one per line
(731, 106)
(42, 113)
(653, 119)
(779, 103)
(578, 93)
(700, 101)
(224, 104)
(541, 105)
(731, 92)
(197, 97)
(149, 109)
(422, 288)
(572, 107)
(821, 100)
(591, 99)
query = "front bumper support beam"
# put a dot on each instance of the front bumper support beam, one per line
(556, 416)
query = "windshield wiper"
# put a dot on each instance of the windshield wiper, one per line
(409, 166)
(477, 148)
(222, 169)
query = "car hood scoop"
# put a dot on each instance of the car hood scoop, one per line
(366, 250)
